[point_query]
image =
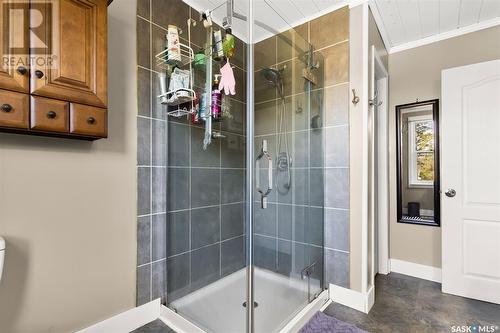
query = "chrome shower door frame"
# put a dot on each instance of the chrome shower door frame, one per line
(250, 175)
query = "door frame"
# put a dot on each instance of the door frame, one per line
(380, 169)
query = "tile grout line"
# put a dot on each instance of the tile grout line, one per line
(152, 262)
(147, 69)
(204, 246)
(204, 168)
(201, 128)
(190, 207)
(204, 207)
(220, 208)
(151, 161)
(153, 214)
(277, 106)
(317, 50)
(190, 210)
(277, 238)
(338, 84)
(336, 250)
(303, 130)
(146, 117)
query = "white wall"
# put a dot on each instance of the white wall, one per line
(358, 145)
(67, 211)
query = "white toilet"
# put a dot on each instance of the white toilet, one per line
(2, 255)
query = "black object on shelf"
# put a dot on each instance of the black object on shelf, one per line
(414, 209)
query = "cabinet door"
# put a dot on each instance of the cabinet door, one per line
(75, 32)
(14, 44)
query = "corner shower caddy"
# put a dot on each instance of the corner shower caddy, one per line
(179, 98)
(183, 95)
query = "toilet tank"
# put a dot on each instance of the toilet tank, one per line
(2, 255)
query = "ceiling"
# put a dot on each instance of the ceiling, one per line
(403, 23)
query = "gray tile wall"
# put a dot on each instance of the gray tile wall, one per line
(322, 186)
(330, 33)
(288, 234)
(151, 170)
(191, 232)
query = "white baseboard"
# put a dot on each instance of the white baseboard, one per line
(370, 299)
(354, 299)
(416, 270)
(127, 321)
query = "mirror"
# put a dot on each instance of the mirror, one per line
(417, 131)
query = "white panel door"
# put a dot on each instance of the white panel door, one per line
(470, 159)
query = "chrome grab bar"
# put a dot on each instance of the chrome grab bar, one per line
(264, 153)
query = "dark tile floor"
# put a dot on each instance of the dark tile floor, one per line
(156, 326)
(405, 304)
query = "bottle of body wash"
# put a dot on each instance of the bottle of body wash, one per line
(216, 99)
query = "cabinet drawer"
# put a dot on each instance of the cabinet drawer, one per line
(88, 120)
(14, 109)
(49, 115)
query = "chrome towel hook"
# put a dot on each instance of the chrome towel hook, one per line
(375, 101)
(355, 99)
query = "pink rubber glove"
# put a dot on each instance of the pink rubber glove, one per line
(227, 81)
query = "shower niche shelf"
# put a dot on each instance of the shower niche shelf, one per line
(186, 53)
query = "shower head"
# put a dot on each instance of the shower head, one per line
(273, 76)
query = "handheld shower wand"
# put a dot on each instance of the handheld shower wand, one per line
(283, 160)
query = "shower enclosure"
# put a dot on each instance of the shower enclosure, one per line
(245, 215)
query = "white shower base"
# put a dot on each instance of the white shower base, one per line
(218, 307)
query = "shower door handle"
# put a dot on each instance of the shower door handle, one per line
(264, 156)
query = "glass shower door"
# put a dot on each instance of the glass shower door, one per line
(287, 228)
(245, 213)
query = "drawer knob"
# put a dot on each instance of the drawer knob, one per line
(51, 114)
(22, 70)
(6, 107)
(91, 121)
(38, 73)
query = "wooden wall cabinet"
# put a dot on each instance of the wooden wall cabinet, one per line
(64, 91)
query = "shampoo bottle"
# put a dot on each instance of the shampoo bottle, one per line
(173, 47)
